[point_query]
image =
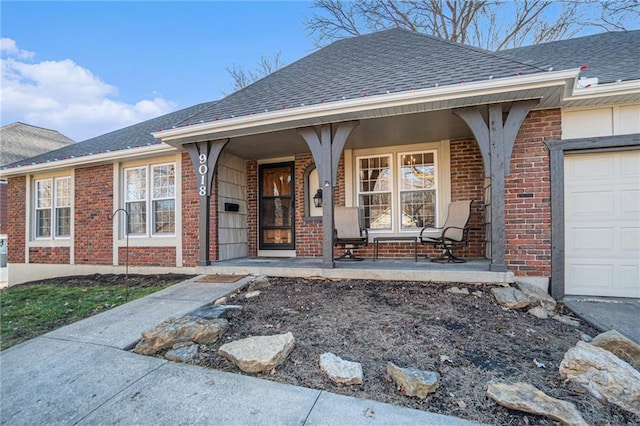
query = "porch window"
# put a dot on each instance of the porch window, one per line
(374, 191)
(53, 208)
(150, 202)
(397, 199)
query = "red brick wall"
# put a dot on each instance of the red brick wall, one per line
(308, 233)
(527, 196)
(190, 213)
(93, 203)
(148, 256)
(50, 255)
(252, 208)
(16, 198)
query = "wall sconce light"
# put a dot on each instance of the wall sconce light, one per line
(317, 199)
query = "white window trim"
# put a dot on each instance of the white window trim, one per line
(157, 240)
(30, 213)
(391, 184)
(443, 180)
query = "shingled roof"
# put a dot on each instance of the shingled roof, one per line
(611, 57)
(389, 61)
(21, 141)
(130, 137)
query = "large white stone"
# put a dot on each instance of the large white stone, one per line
(180, 330)
(258, 353)
(510, 297)
(604, 375)
(413, 382)
(537, 296)
(341, 371)
(527, 398)
(625, 349)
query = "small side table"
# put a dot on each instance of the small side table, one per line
(378, 240)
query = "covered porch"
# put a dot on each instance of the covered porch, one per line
(475, 271)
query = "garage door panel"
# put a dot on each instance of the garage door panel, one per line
(589, 239)
(630, 241)
(602, 224)
(592, 203)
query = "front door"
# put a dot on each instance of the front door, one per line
(276, 207)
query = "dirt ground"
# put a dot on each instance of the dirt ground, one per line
(131, 280)
(469, 340)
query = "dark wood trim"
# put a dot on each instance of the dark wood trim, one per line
(557, 151)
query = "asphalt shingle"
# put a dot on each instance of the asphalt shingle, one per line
(20, 141)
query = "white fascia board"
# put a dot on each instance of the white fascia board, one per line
(477, 88)
(86, 160)
(601, 90)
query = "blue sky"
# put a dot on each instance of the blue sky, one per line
(85, 68)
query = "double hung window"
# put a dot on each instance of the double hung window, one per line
(398, 198)
(150, 199)
(53, 208)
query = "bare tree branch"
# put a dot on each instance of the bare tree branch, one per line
(491, 24)
(266, 65)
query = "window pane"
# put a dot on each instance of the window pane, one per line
(43, 223)
(43, 194)
(418, 209)
(164, 181)
(376, 210)
(63, 192)
(276, 181)
(63, 222)
(135, 184)
(417, 171)
(164, 216)
(374, 174)
(276, 211)
(137, 217)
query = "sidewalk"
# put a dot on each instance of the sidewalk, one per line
(81, 374)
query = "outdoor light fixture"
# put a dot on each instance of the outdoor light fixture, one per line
(317, 199)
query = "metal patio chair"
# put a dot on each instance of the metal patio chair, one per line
(348, 233)
(453, 234)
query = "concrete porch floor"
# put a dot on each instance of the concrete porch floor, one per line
(471, 272)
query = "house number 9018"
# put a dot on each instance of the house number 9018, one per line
(202, 171)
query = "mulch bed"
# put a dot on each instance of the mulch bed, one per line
(469, 340)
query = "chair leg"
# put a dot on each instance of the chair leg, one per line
(348, 255)
(448, 257)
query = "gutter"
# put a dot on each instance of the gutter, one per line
(365, 103)
(602, 90)
(86, 160)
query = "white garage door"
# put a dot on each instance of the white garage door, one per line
(602, 224)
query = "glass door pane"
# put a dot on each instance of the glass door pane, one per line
(276, 207)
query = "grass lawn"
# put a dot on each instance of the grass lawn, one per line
(31, 310)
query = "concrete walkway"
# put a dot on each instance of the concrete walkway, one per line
(82, 374)
(607, 313)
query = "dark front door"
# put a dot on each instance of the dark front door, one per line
(276, 207)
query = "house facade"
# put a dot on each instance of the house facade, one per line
(396, 123)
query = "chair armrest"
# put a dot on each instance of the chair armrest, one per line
(464, 230)
(428, 227)
(366, 234)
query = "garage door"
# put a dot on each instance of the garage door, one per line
(602, 224)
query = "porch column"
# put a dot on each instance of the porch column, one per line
(204, 157)
(496, 140)
(326, 149)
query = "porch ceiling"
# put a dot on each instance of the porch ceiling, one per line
(371, 133)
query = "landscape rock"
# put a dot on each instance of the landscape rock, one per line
(603, 375)
(457, 290)
(566, 320)
(539, 312)
(214, 311)
(182, 353)
(478, 293)
(176, 330)
(258, 353)
(252, 294)
(527, 398)
(221, 301)
(341, 371)
(537, 296)
(413, 382)
(624, 348)
(259, 283)
(510, 297)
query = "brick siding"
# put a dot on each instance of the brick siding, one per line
(16, 198)
(50, 255)
(528, 196)
(93, 204)
(148, 256)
